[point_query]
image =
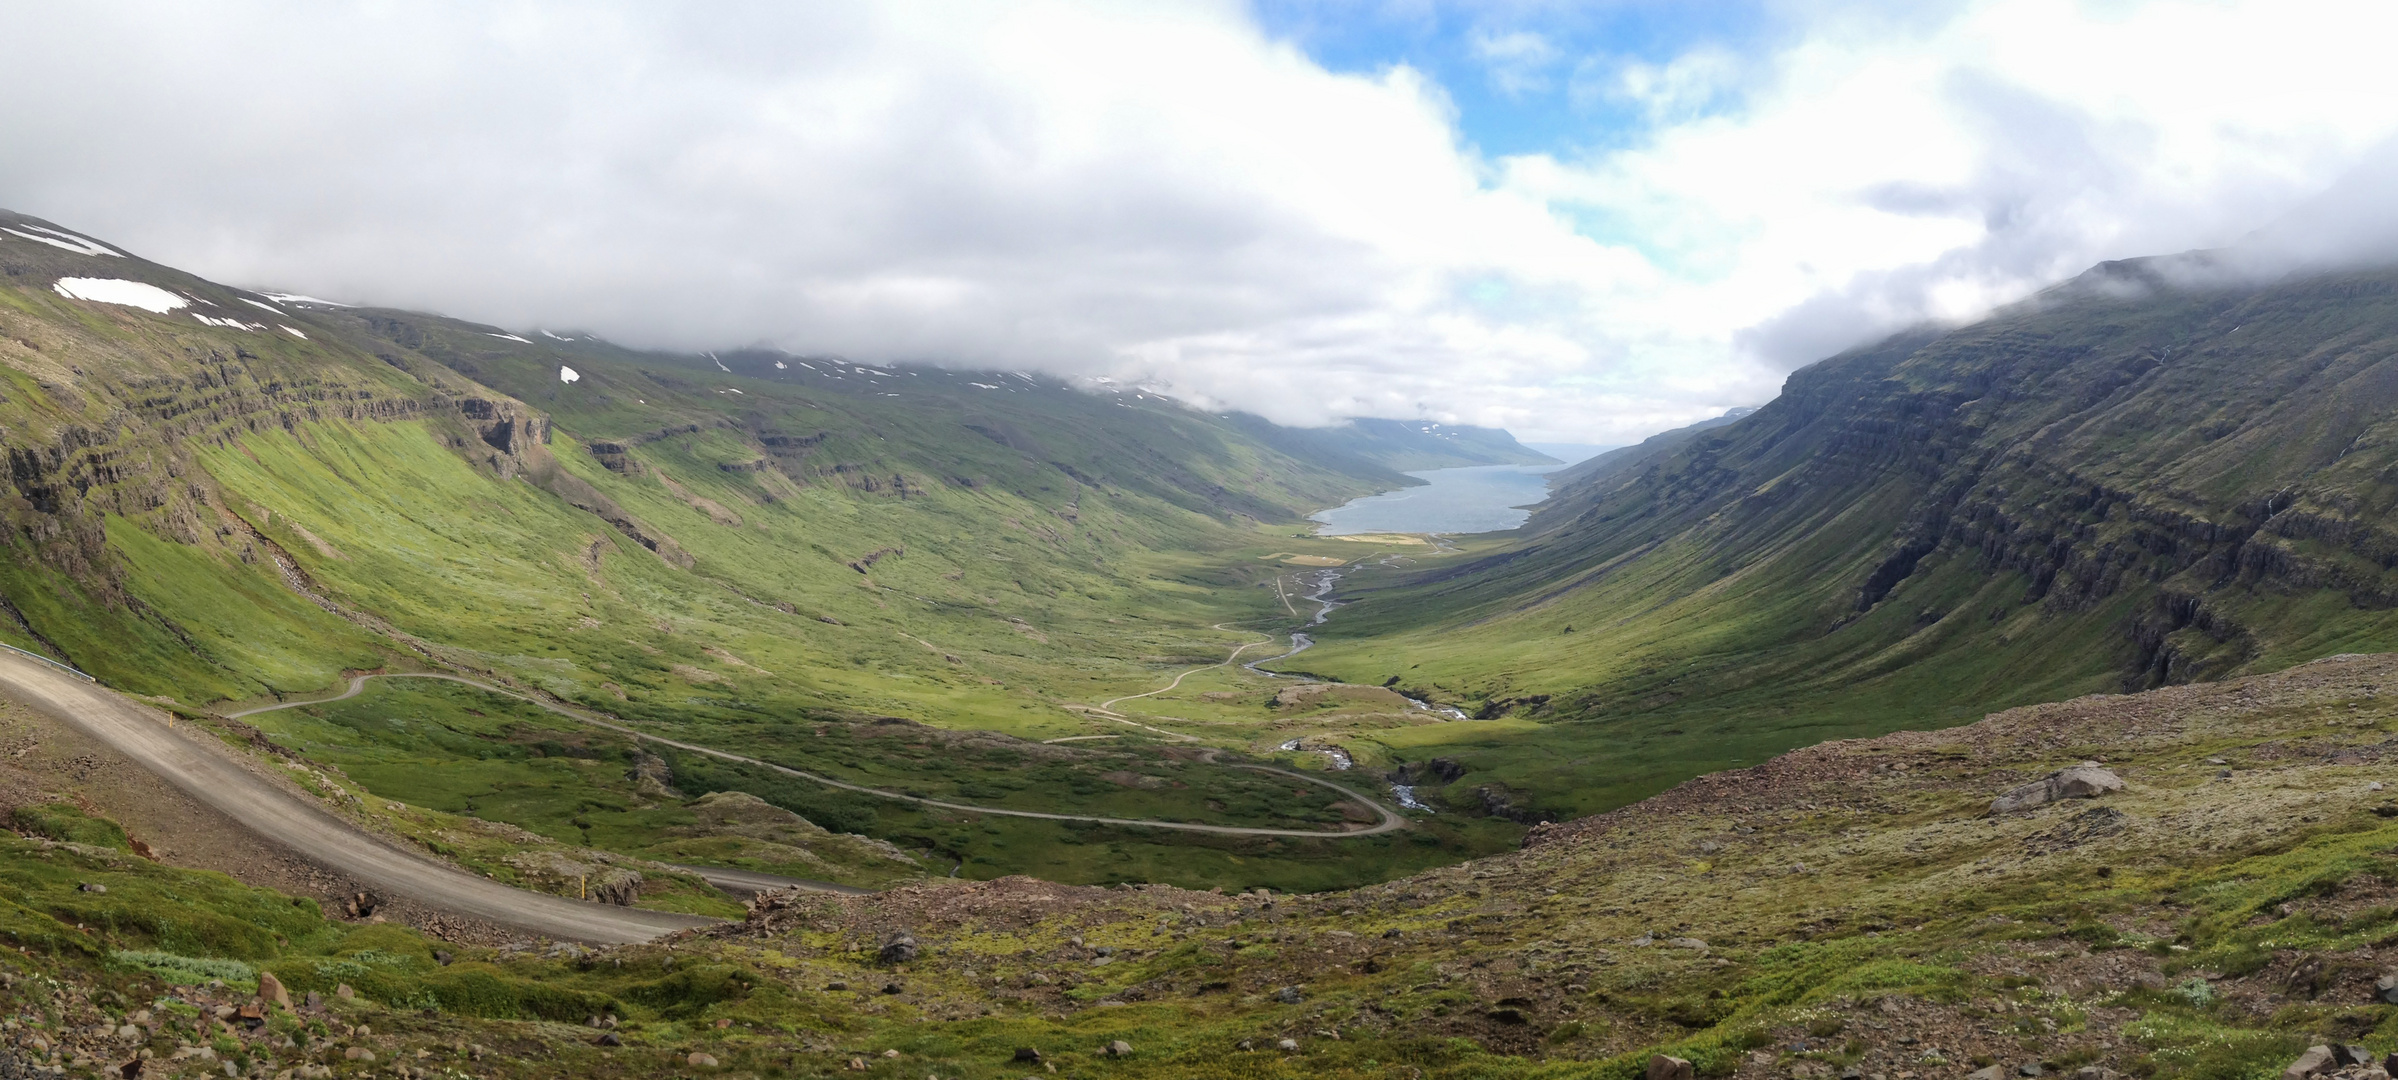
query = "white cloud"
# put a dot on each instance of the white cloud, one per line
(1518, 61)
(1159, 193)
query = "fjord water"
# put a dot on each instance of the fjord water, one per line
(1476, 498)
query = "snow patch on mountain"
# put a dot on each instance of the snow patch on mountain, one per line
(138, 294)
(69, 241)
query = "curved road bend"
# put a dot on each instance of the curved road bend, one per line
(214, 778)
(1387, 819)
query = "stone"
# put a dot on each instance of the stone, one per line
(1287, 1046)
(1119, 1049)
(1288, 995)
(315, 1000)
(893, 988)
(358, 1053)
(271, 988)
(2386, 989)
(698, 1060)
(836, 986)
(2344, 1055)
(344, 992)
(1667, 1067)
(2317, 1059)
(92, 887)
(1027, 1055)
(1993, 1072)
(900, 949)
(1688, 943)
(2029, 1068)
(608, 1038)
(2083, 781)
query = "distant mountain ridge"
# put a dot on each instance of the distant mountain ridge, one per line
(1395, 446)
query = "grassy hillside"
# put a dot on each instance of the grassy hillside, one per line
(1849, 908)
(238, 499)
(2118, 484)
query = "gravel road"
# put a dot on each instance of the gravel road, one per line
(211, 775)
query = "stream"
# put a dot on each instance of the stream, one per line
(1322, 582)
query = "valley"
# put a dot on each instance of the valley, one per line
(905, 606)
(807, 716)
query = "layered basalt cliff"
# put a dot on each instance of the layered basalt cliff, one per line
(2190, 451)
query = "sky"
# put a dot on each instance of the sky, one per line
(1582, 222)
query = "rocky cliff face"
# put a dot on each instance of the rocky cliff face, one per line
(103, 406)
(2186, 462)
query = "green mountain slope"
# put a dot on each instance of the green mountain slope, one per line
(238, 497)
(2120, 483)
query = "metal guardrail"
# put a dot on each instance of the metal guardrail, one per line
(53, 663)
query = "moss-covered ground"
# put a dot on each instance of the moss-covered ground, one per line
(1845, 906)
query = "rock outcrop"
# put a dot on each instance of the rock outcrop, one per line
(2084, 781)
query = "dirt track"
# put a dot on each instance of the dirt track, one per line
(1386, 819)
(212, 776)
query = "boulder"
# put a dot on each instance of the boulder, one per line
(1991, 1072)
(1667, 1067)
(1119, 1049)
(2084, 781)
(698, 1060)
(900, 949)
(2315, 1061)
(2385, 989)
(271, 988)
(1027, 1055)
(1287, 1046)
